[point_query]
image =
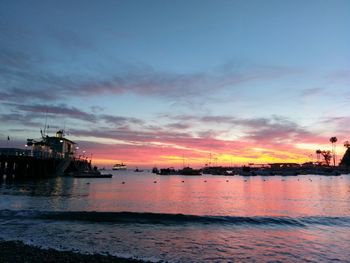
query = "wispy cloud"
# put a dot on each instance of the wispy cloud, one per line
(18, 118)
(264, 139)
(62, 110)
(118, 120)
(340, 76)
(261, 132)
(24, 113)
(272, 130)
(310, 92)
(24, 80)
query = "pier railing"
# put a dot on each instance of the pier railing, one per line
(15, 152)
(35, 153)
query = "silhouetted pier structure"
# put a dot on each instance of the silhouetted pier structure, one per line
(51, 156)
(29, 167)
(22, 167)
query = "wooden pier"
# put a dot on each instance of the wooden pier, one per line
(50, 156)
(29, 167)
(22, 167)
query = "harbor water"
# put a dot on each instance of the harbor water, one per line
(207, 218)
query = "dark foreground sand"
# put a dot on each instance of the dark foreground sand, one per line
(15, 251)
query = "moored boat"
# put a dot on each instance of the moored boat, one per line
(91, 174)
(167, 171)
(119, 166)
(190, 171)
(155, 170)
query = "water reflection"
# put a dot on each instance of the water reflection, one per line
(58, 186)
(206, 195)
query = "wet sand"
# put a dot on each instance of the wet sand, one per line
(16, 251)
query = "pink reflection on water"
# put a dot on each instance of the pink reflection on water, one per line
(214, 195)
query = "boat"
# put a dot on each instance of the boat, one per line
(190, 171)
(137, 170)
(167, 171)
(247, 171)
(119, 166)
(91, 174)
(155, 170)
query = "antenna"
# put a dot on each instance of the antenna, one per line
(45, 123)
(64, 127)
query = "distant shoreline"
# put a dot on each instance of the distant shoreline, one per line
(17, 251)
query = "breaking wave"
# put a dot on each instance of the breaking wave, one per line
(170, 219)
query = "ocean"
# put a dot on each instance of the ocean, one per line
(207, 218)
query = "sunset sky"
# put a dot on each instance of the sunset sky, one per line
(158, 82)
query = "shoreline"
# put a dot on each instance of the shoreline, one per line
(17, 251)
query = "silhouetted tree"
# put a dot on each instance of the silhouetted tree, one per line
(327, 156)
(318, 154)
(345, 161)
(333, 140)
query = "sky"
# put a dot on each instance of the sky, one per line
(168, 83)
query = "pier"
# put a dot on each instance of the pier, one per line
(22, 167)
(29, 167)
(51, 156)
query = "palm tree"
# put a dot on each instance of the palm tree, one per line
(347, 144)
(333, 140)
(318, 154)
(327, 156)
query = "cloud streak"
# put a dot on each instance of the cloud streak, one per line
(24, 80)
(29, 112)
(260, 139)
(264, 140)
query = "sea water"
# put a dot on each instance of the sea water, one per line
(173, 218)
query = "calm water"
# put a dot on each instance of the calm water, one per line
(184, 219)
